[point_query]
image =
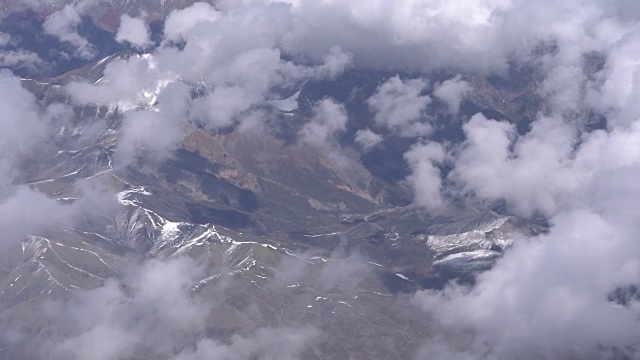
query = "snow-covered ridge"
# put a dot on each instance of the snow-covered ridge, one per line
(473, 240)
(472, 250)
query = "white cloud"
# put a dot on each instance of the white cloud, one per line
(367, 139)
(616, 86)
(180, 22)
(329, 118)
(548, 295)
(123, 83)
(425, 178)
(151, 309)
(150, 312)
(63, 24)
(411, 35)
(400, 106)
(22, 125)
(452, 92)
(20, 58)
(133, 31)
(233, 66)
(151, 134)
(284, 343)
(5, 39)
(26, 129)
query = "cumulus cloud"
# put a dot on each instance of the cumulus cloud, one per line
(223, 105)
(266, 343)
(5, 39)
(539, 163)
(20, 59)
(154, 308)
(180, 22)
(328, 119)
(153, 134)
(616, 85)
(151, 311)
(133, 31)
(63, 24)
(233, 67)
(425, 178)
(17, 58)
(400, 105)
(548, 297)
(24, 210)
(452, 92)
(23, 126)
(367, 139)
(554, 296)
(415, 34)
(125, 84)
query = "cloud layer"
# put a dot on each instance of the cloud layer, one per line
(222, 67)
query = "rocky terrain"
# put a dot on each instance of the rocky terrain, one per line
(315, 251)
